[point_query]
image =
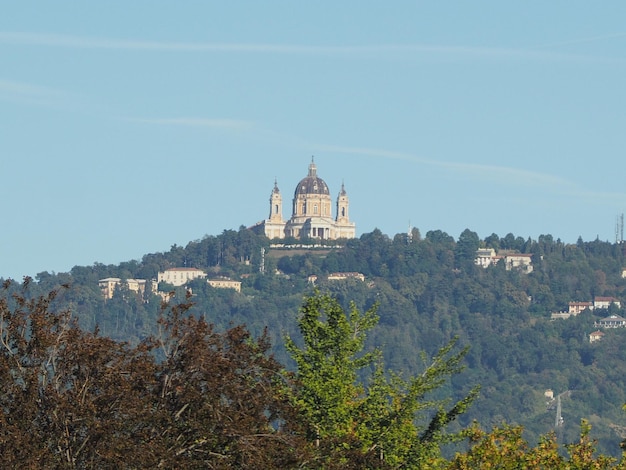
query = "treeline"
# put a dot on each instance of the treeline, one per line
(193, 397)
(429, 291)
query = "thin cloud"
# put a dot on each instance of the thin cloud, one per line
(493, 173)
(228, 124)
(572, 42)
(28, 93)
(376, 50)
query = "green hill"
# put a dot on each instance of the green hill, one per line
(428, 290)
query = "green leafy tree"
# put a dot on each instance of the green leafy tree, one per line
(386, 421)
(504, 448)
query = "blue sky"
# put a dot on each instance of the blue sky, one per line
(127, 127)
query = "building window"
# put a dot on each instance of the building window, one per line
(343, 212)
(276, 209)
(315, 209)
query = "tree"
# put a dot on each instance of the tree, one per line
(465, 250)
(222, 400)
(504, 448)
(69, 399)
(493, 241)
(384, 421)
(72, 399)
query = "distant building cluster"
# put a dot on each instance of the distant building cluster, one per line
(599, 303)
(486, 257)
(311, 215)
(108, 286)
(174, 276)
(574, 308)
(344, 276)
(612, 321)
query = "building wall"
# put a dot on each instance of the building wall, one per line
(180, 276)
(108, 286)
(225, 284)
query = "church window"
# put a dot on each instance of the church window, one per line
(276, 209)
(343, 212)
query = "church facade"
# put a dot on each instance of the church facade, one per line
(311, 212)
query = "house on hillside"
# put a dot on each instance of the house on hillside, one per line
(576, 307)
(486, 257)
(521, 261)
(180, 276)
(612, 321)
(224, 283)
(344, 276)
(606, 302)
(107, 286)
(595, 336)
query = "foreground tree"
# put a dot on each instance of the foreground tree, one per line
(194, 398)
(68, 398)
(72, 399)
(383, 422)
(505, 449)
(223, 400)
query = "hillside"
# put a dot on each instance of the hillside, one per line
(429, 289)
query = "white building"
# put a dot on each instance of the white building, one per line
(595, 336)
(612, 321)
(486, 257)
(225, 283)
(606, 302)
(311, 215)
(345, 276)
(521, 261)
(108, 285)
(180, 276)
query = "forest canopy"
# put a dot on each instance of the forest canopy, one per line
(193, 397)
(428, 291)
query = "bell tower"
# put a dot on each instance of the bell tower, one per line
(276, 205)
(342, 207)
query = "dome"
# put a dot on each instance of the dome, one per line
(312, 184)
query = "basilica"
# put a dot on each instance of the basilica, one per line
(311, 215)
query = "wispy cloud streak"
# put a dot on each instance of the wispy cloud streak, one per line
(492, 173)
(382, 50)
(229, 124)
(33, 94)
(586, 40)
